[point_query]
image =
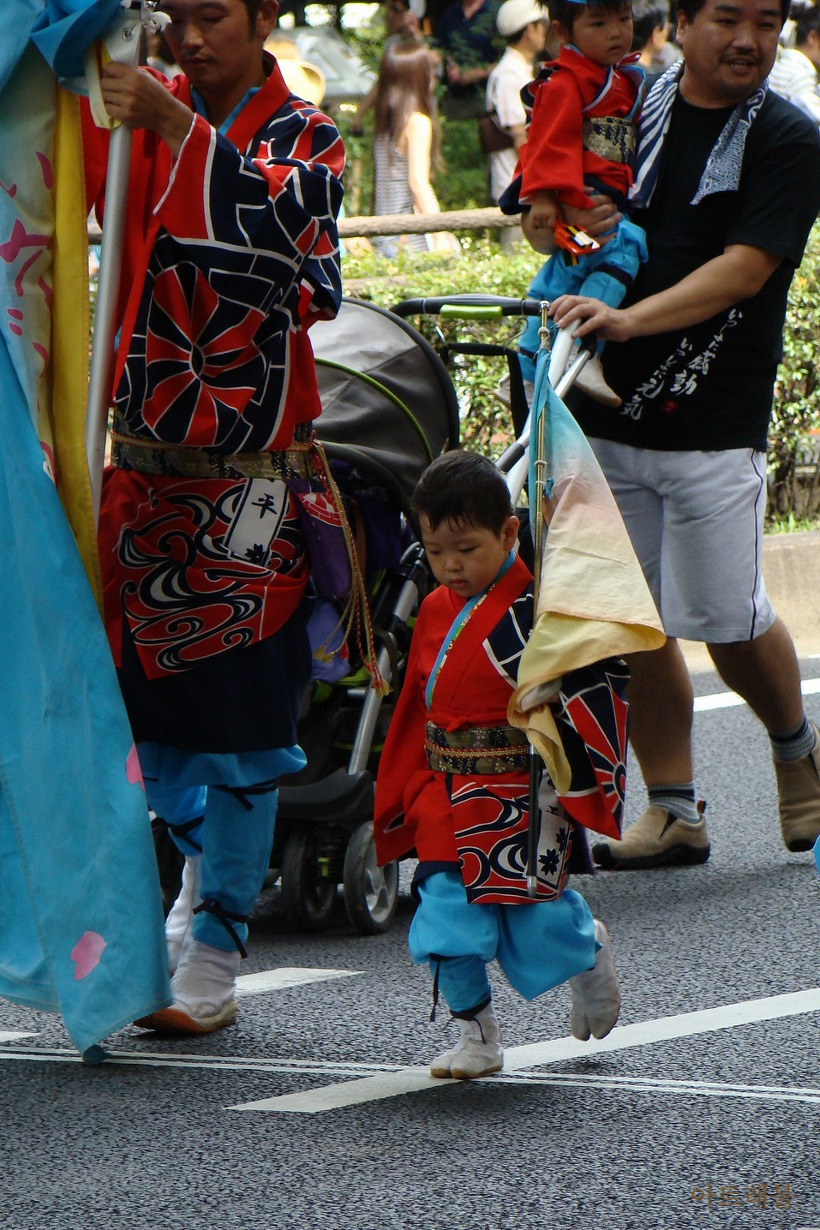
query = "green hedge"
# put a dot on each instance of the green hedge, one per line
(485, 422)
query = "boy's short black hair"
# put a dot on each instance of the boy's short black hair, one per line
(463, 488)
(566, 11)
(647, 15)
(806, 17)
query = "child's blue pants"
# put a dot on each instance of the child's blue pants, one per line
(605, 275)
(538, 946)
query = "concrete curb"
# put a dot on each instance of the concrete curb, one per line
(791, 568)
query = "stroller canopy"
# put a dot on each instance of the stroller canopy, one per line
(387, 397)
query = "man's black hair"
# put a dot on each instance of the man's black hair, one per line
(463, 489)
(691, 8)
(253, 8)
(567, 12)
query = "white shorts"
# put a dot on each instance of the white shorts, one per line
(696, 523)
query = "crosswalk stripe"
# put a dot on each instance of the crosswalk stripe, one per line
(729, 700)
(288, 976)
(517, 1058)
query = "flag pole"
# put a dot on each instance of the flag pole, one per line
(541, 487)
(122, 43)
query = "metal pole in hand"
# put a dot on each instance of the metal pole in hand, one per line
(541, 489)
(122, 42)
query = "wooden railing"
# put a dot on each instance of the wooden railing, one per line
(405, 224)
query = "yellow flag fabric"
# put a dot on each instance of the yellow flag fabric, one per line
(70, 334)
(593, 601)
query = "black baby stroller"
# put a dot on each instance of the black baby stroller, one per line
(389, 408)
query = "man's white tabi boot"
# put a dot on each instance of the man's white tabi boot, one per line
(596, 999)
(204, 990)
(478, 1051)
(179, 923)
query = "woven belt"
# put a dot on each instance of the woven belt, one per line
(476, 749)
(611, 138)
(178, 461)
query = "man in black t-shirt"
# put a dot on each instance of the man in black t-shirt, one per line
(727, 187)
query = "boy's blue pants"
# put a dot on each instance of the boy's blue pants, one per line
(605, 274)
(538, 946)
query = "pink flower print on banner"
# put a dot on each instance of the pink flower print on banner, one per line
(133, 772)
(86, 953)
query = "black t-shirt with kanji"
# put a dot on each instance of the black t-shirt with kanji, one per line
(710, 386)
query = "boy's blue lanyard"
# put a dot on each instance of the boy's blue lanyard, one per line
(199, 108)
(457, 625)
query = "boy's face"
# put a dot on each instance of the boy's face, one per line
(602, 35)
(466, 558)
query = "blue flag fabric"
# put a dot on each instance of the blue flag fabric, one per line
(80, 914)
(64, 28)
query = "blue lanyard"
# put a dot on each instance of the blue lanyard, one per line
(457, 625)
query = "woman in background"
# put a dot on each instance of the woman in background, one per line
(406, 145)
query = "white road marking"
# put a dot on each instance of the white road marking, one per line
(720, 1089)
(518, 1058)
(728, 700)
(364, 1082)
(302, 1067)
(289, 976)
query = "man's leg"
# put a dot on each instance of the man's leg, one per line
(660, 714)
(671, 830)
(765, 672)
(237, 837)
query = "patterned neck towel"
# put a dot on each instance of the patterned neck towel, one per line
(722, 170)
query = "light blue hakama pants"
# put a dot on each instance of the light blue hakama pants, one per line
(538, 946)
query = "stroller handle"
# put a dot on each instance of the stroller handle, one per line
(468, 307)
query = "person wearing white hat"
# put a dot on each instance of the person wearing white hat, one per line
(524, 24)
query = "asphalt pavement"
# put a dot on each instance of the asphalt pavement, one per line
(315, 1110)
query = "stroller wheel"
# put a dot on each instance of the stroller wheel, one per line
(371, 892)
(308, 896)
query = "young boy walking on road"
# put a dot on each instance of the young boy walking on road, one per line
(453, 784)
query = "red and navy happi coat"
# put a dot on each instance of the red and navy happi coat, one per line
(231, 252)
(480, 822)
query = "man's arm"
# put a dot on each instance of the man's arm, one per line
(737, 274)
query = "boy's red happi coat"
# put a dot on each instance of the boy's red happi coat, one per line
(481, 821)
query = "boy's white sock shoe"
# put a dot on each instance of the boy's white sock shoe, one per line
(590, 380)
(180, 918)
(204, 989)
(478, 1051)
(596, 999)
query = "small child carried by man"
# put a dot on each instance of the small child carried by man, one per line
(583, 112)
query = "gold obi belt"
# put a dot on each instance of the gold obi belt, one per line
(611, 138)
(476, 749)
(179, 461)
